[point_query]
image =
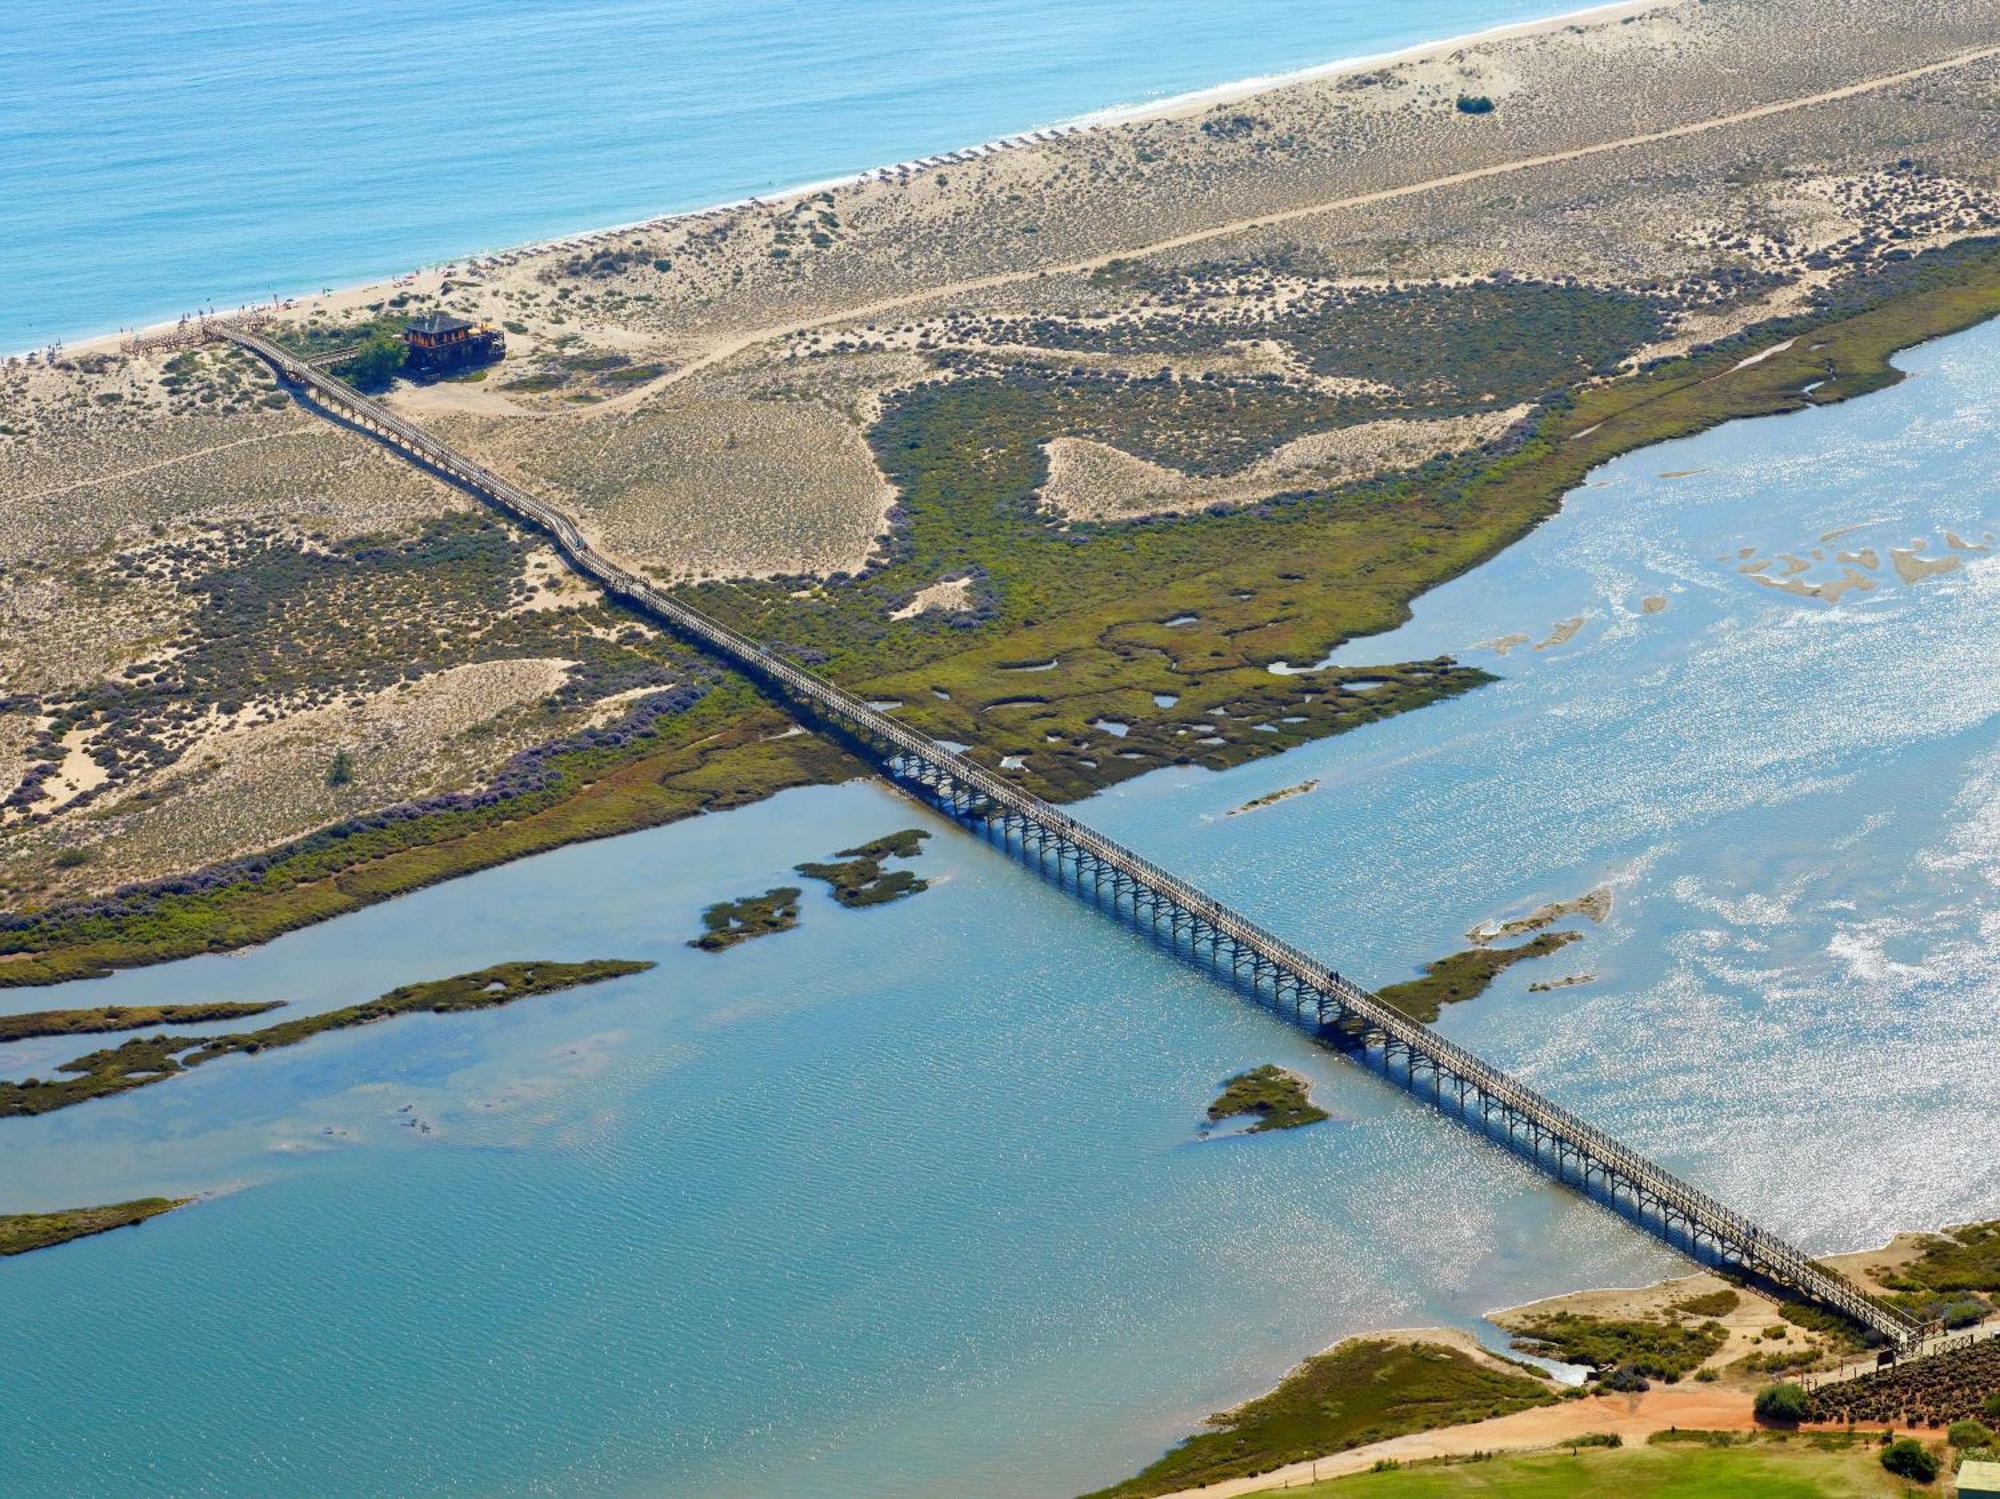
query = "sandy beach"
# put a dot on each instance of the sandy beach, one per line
(427, 279)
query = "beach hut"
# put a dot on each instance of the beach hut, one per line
(439, 343)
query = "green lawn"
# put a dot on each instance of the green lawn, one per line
(1677, 1472)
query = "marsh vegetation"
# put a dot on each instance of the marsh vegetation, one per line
(145, 1060)
(1277, 1098)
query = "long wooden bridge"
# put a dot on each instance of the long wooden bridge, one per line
(1279, 974)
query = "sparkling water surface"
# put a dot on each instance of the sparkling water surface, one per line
(155, 158)
(912, 1201)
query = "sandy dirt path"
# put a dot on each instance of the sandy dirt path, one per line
(1632, 1417)
(729, 348)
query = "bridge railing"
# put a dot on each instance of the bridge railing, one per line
(1728, 1227)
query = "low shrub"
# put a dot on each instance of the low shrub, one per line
(1970, 1434)
(1906, 1457)
(1782, 1404)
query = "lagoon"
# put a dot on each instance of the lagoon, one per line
(911, 1200)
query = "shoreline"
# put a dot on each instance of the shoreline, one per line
(1683, 1404)
(425, 275)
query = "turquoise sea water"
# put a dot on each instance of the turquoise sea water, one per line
(154, 158)
(913, 1201)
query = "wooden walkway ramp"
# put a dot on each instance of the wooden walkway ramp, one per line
(1279, 974)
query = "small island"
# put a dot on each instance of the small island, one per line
(1595, 904)
(152, 1059)
(35, 1023)
(1272, 798)
(1278, 1098)
(1465, 975)
(860, 880)
(21, 1232)
(1567, 981)
(729, 922)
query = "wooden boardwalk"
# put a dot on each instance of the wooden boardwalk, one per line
(1447, 1075)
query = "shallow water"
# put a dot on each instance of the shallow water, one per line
(911, 1201)
(157, 157)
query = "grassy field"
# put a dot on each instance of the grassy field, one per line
(1764, 1472)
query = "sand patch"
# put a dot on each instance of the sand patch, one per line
(1829, 592)
(948, 596)
(1562, 634)
(712, 484)
(1913, 567)
(1596, 905)
(1090, 480)
(249, 782)
(1654, 603)
(1759, 358)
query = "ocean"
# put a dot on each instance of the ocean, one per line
(159, 158)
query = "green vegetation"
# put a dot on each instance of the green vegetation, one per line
(152, 1059)
(1635, 1350)
(861, 881)
(722, 752)
(1907, 1457)
(122, 1018)
(729, 922)
(21, 1232)
(1969, 1434)
(341, 772)
(1783, 1404)
(315, 339)
(1839, 1330)
(1961, 1259)
(1796, 1469)
(1713, 1304)
(1278, 1098)
(1283, 580)
(1363, 1391)
(1967, 1312)
(1465, 975)
(375, 365)
(1474, 104)
(1936, 1390)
